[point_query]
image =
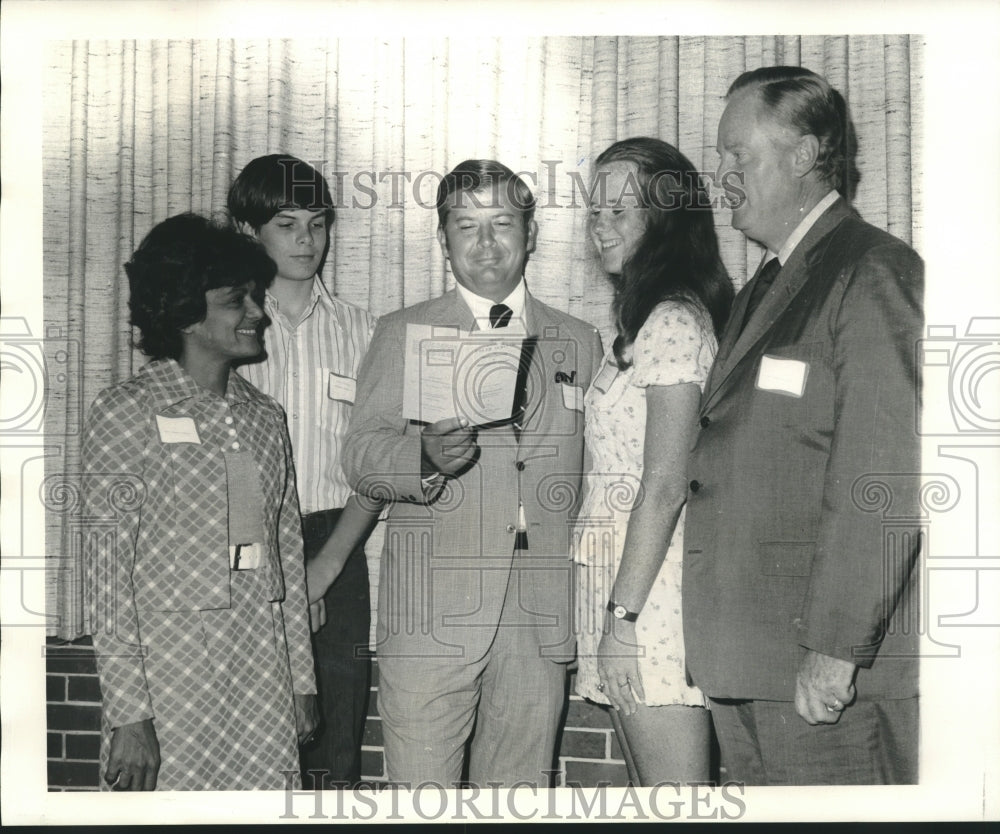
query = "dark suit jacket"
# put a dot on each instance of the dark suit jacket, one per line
(802, 513)
(448, 555)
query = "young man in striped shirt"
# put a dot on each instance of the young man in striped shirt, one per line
(312, 352)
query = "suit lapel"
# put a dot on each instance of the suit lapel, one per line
(736, 345)
(450, 310)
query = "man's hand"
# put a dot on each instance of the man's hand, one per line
(321, 572)
(134, 759)
(317, 615)
(448, 446)
(618, 667)
(306, 717)
(824, 687)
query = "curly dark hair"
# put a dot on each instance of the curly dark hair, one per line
(180, 260)
(678, 255)
(806, 102)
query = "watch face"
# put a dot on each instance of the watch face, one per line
(620, 611)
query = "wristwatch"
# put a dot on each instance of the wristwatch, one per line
(621, 612)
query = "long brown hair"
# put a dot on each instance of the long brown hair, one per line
(678, 255)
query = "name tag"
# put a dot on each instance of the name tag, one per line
(572, 396)
(177, 429)
(782, 376)
(608, 374)
(341, 388)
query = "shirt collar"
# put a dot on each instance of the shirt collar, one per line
(480, 306)
(800, 231)
(318, 292)
(169, 384)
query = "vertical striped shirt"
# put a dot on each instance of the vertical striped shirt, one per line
(311, 368)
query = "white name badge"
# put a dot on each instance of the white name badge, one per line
(341, 388)
(782, 376)
(608, 374)
(572, 396)
(177, 429)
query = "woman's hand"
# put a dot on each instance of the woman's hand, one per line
(306, 717)
(134, 760)
(618, 666)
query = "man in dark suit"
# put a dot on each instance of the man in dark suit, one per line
(474, 590)
(799, 584)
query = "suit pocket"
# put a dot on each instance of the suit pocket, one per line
(785, 558)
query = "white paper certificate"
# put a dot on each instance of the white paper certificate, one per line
(452, 374)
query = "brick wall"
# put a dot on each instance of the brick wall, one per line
(588, 752)
(73, 715)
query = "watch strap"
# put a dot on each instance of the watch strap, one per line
(617, 609)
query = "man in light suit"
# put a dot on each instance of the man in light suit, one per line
(474, 591)
(799, 589)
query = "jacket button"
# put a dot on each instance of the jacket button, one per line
(511, 528)
(519, 465)
(695, 486)
(703, 422)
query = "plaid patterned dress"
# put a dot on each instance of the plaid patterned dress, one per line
(213, 656)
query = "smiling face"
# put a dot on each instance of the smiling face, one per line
(757, 159)
(617, 219)
(295, 240)
(487, 242)
(230, 330)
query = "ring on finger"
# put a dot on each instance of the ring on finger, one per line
(600, 686)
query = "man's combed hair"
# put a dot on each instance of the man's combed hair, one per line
(269, 184)
(180, 260)
(677, 257)
(482, 180)
(805, 102)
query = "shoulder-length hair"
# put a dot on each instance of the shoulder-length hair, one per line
(677, 257)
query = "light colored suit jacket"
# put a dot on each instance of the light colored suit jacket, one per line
(448, 552)
(802, 514)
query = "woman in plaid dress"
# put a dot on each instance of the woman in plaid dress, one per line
(196, 579)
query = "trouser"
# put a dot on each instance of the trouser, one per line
(769, 743)
(343, 664)
(505, 707)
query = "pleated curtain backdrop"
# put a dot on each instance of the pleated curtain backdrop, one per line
(136, 131)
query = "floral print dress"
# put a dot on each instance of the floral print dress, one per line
(676, 345)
